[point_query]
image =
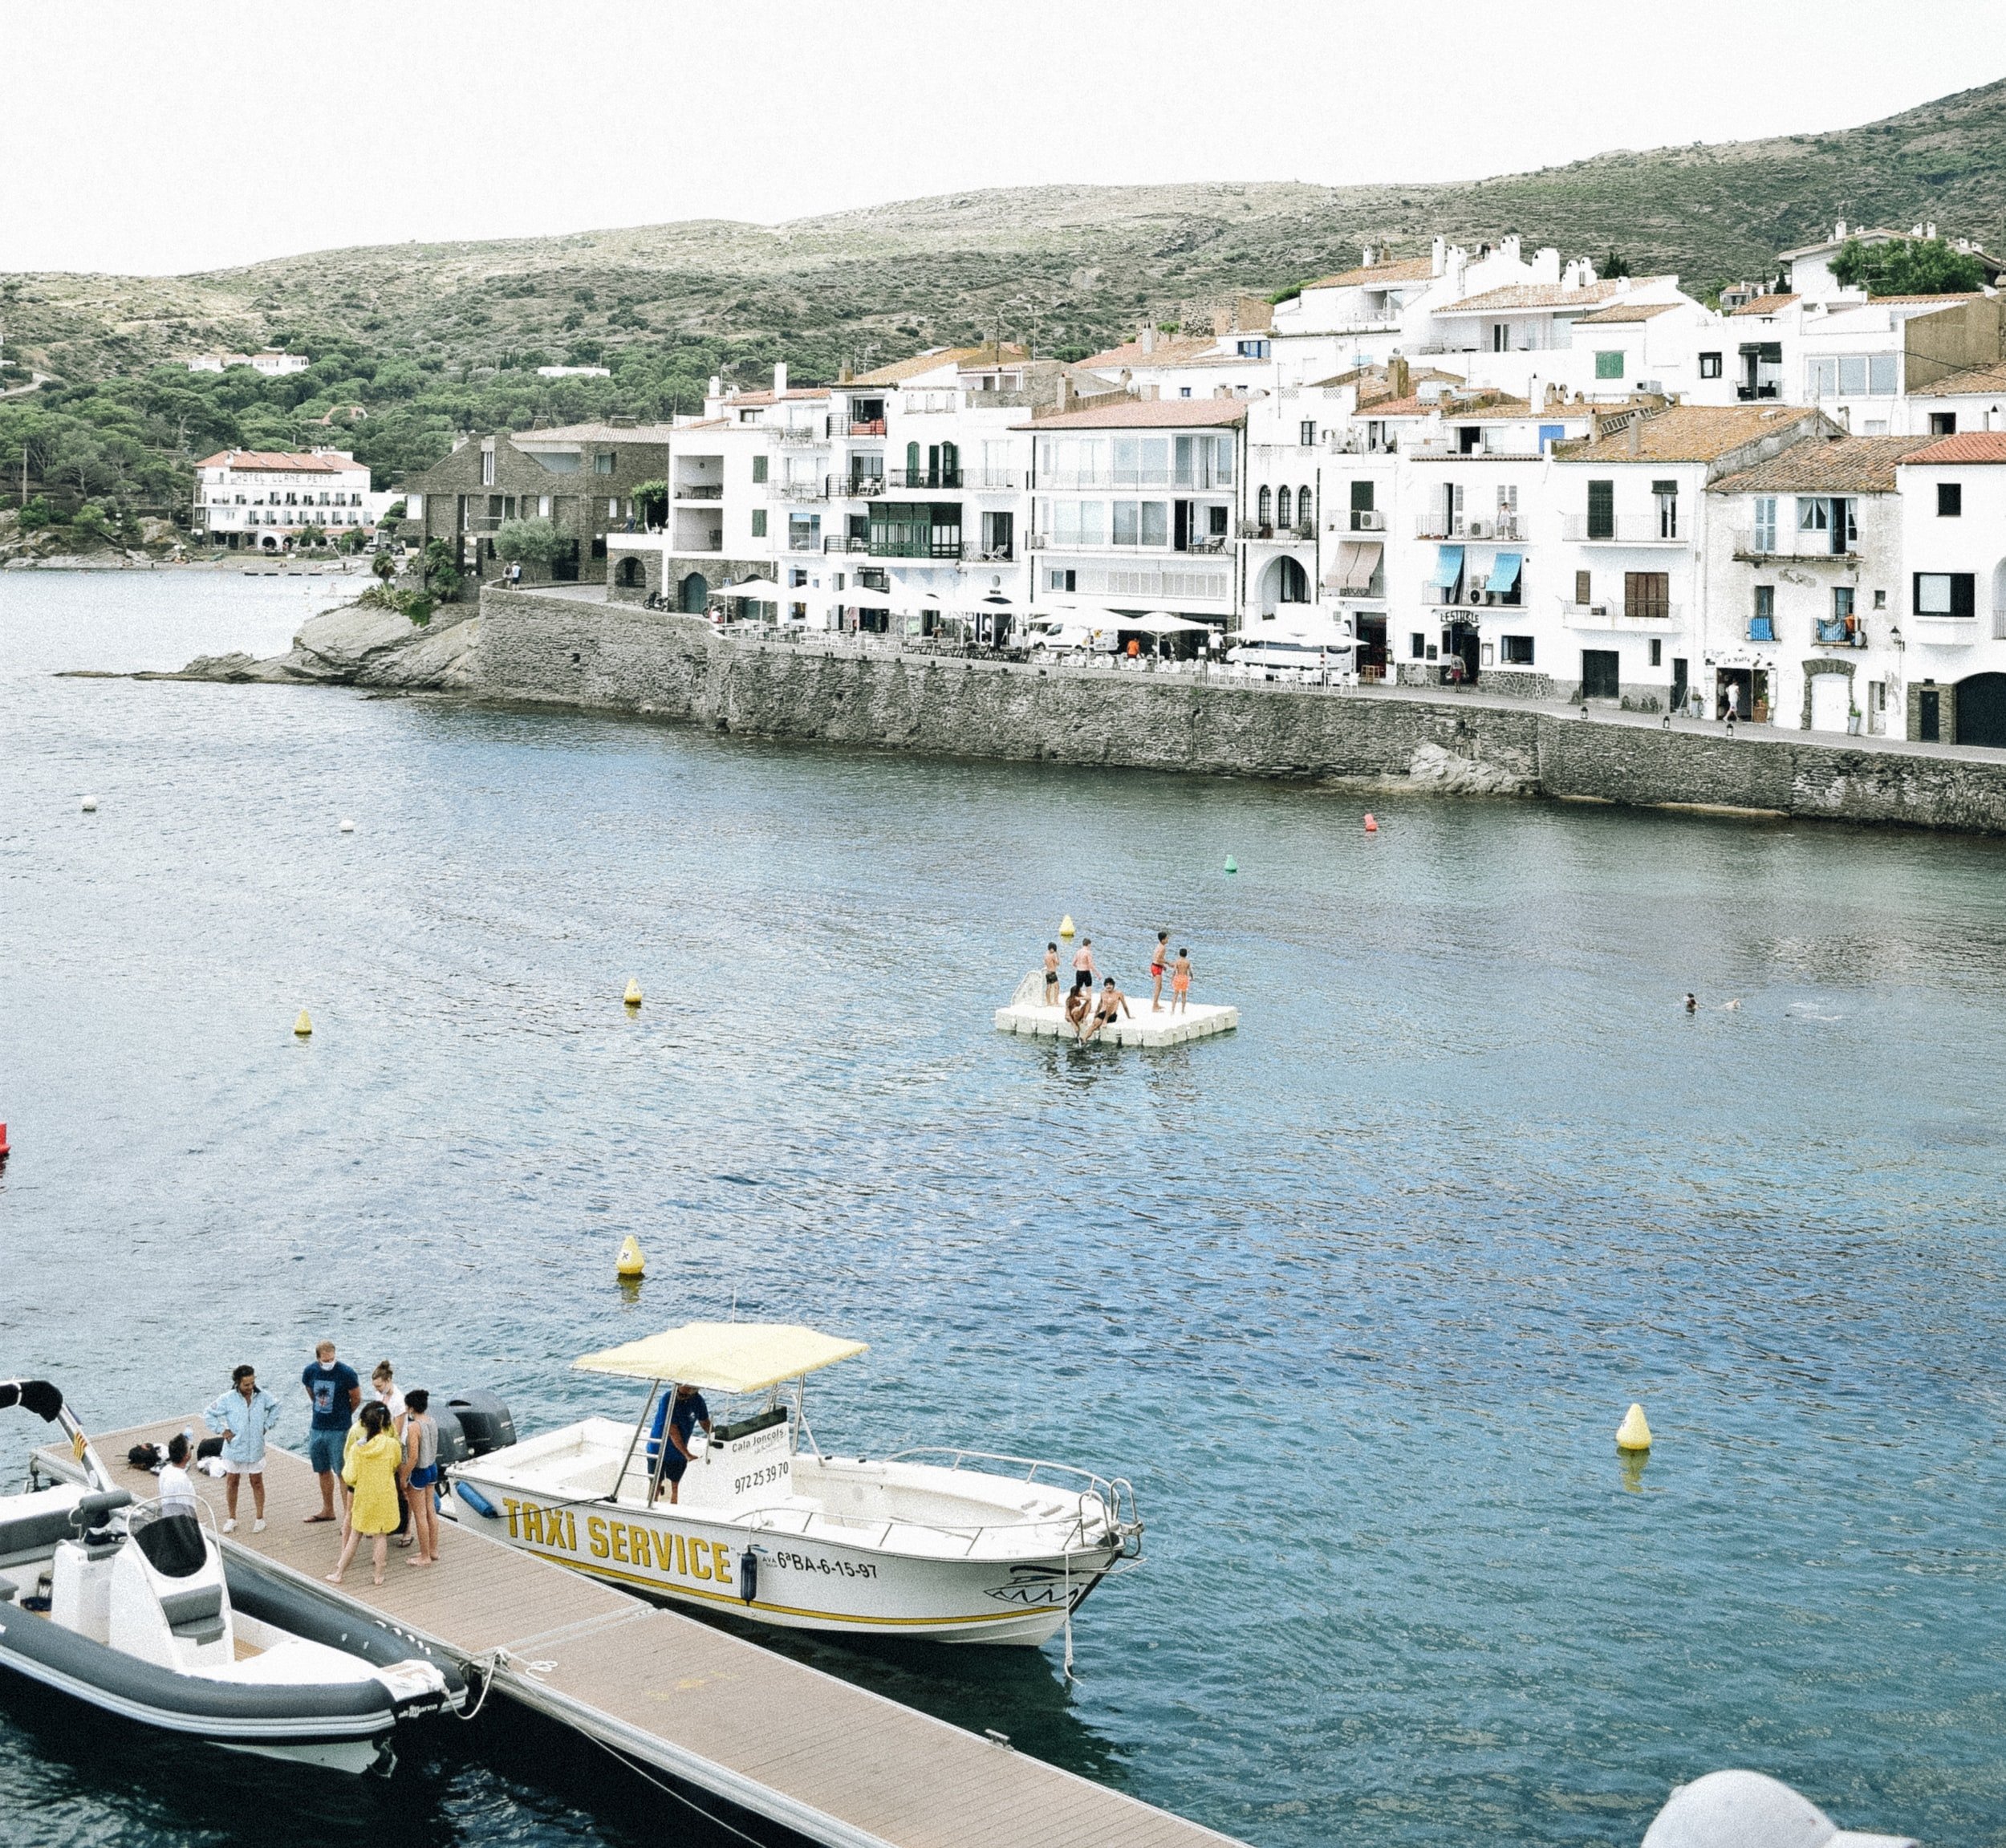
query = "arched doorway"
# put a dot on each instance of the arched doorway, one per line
(631, 575)
(1284, 582)
(1979, 712)
(693, 594)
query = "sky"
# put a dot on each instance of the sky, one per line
(165, 137)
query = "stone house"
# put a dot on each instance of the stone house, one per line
(582, 477)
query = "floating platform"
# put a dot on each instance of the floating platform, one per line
(1199, 1020)
(734, 1724)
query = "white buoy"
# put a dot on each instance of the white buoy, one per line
(90, 805)
(1633, 1434)
(347, 827)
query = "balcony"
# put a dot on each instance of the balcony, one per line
(839, 542)
(1752, 547)
(1036, 541)
(866, 426)
(1619, 614)
(1440, 526)
(699, 490)
(946, 550)
(1625, 530)
(856, 487)
(1838, 632)
(1767, 388)
(991, 554)
(925, 477)
(993, 481)
(801, 433)
(814, 490)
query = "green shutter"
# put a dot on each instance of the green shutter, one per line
(1609, 365)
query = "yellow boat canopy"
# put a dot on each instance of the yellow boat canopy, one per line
(724, 1356)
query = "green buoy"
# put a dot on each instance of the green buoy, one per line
(1232, 866)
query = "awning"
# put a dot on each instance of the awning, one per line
(1358, 559)
(1504, 571)
(1448, 568)
(724, 1356)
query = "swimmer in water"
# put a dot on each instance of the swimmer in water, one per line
(1692, 1003)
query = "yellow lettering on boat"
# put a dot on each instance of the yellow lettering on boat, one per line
(700, 1559)
(682, 1556)
(511, 1506)
(532, 1524)
(571, 1531)
(595, 1532)
(723, 1552)
(619, 1543)
(664, 1549)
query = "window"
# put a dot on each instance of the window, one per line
(1306, 434)
(1285, 507)
(1709, 365)
(1601, 509)
(1944, 593)
(1647, 595)
(487, 468)
(602, 462)
(1762, 624)
(1418, 646)
(1856, 375)
(1061, 580)
(1765, 524)
(1843, 597)
(1361, 497)
(1943, 423)
(1265, 505)
(1183, 391)
(759, 523)
(1156, 522)
(1666, 496)
(1128, 522)
(1657, 652)
(1517, 650)
(612, 506)
(1883, 378)
(1584, 588)
(1501, 337)
(1814, 515)
(1609, 365)
(1950, 500)
(759, 467)
(1216, 521)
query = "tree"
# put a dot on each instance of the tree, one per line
(1906, 266)
(1614, 264)
(651, 501)
(439, 571)
(36, 515)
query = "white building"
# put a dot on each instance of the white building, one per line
(1953, 626)
(266, 499)
(272, 365)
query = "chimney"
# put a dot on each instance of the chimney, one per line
(1636, 433)
(1928, 230)
(1438, 256)
(1838, 232)
(780, 378)
(1399, 379)
(1065, 391)
(716, 386)
(1509, 247)
(847, 376)
(1149, 339)
(1368, 257)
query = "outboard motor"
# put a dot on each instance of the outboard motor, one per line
(453, 1447)
(484, 1419)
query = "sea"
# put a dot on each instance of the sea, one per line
(1356, 1296)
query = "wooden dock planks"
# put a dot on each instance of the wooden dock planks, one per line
(835, 1763)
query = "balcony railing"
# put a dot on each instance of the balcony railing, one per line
(1624, 529)
(1807, 548)
(993, 479)
(699, 490)
(815, 491)
(840, 543)
(802, 433)
(856, 487)
(1037, 541)
(1838, 632)
(925, 477)
(903, 548)
(991, 554)
(1609, 615)
(1766, 388)
(1440, 526)
(866, 426)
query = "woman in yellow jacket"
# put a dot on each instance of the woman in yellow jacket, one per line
(370, 1470)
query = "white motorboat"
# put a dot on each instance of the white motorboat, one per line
(953, 1544)
(137, 1612)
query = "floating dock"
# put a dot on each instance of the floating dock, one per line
(1035, 1020)
(827, 1762)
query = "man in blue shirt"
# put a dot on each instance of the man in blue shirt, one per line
(689, 1411)
(243, 1415)
(335, 1389)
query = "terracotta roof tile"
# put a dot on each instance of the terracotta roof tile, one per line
(1980, 380)
(1407, 270)
(1619, 311)
(279, 462)
(1842, 465)
(1518, 295)
(1764, 305)
(1147, 414)
(595, 434)
(1972, 446)
(1692, 434)
(1169, 347)
(901, 370)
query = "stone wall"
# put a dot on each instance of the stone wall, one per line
(578, 653)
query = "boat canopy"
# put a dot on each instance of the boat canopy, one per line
(724, 1356)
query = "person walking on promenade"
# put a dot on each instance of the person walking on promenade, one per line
(1112, 1001)
(1158, 959)
(333, 1390)
(243, 1415)
(1051, 975)
(1180, 982)
(1083, 963)
(421, 1475)
(374, 1464)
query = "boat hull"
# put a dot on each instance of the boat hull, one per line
(680, 1557)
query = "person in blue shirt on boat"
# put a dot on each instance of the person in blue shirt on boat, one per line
(678, 1413)
(243, 1415)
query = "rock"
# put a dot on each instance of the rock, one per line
(1432, 767)
(435, 659)
(157, 532)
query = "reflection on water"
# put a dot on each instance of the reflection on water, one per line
(1356, 1296)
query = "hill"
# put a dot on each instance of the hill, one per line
(1068, 266)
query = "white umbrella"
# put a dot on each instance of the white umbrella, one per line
(749, 587)
(1163, 623)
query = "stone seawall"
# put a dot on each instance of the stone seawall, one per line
(616, 657)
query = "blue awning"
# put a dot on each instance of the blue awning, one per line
(1504, 571)
(1448, 568)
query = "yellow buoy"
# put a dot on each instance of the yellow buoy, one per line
(303, 1027)
(1635, 1433)
(1066, 925)
(633, 993)
(630, 1262)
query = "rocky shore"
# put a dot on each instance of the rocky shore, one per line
(580, 653)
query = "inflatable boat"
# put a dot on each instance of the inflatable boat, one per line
(136, 1611)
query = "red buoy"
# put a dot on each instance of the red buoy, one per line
(1371, 826)
(4, 1152)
